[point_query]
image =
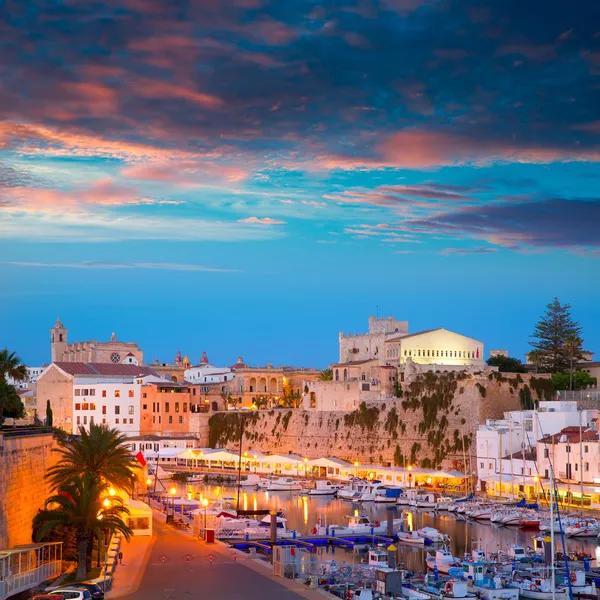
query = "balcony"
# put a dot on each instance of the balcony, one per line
(25, 567)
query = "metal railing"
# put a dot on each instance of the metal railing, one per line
(11, 432)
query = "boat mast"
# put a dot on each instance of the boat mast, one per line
(581, 460)
(523, 448)
(552, 568)
(239, 482)
(512, 470)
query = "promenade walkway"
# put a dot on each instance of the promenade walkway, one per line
(177, 566)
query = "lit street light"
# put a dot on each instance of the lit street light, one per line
(409, 476)
(205, 504)
(356, 463)
(173, 492)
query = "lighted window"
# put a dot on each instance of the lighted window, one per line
(85, 406)
(77, 406)
(131, 409)
(117, 393)
(144, 395)
(131, 421)
(176, 406)
(104, 410)
(185, 407)
(131, 393)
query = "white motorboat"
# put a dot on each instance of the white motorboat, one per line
(579, 586)
(444, 503)
(353, 491)
(370, 491)
(481, 513)
(583, 528)
(412, 538)
(357, 525)
(263, 528)
(538, 588)
(439, 590)
(443, 560)
(423, 501)
(283, 484)
(433, 535)
(253, 480)
(388, 495)
(322, 488)
(489, 589)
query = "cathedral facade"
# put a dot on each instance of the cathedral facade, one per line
(113, 351)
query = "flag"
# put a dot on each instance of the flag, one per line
(141, 459)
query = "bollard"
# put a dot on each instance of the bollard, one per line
(247, 537)
(294, 534)
(372, 530)
(273, 514)
(327, 530)
(333, 533)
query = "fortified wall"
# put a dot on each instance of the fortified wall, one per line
(426, 426)
(23, 490)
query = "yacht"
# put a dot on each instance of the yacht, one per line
(353, 491)
(283, 484)
(582, 528)
(322, 488)
(443, 560)
(262, 529)
(423, 501)
(370, 491)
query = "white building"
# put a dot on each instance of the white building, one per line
(32, 376)
(85, 393)
(207, 373)
(389, 342)
(517, 435)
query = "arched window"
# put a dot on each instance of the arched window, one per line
(455, 354)
(419, 352)
(437, 352)
(60, 337)
(337, 375)
(405, 353)
(345, 374)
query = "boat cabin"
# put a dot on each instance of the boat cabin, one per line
(378, 557)
(517, 552)
(358, 521)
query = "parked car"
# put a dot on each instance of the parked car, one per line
(93, 588)
(72, 593)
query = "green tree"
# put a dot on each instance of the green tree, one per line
(49, 417)
(11, 406)
(291, 400)
(557, 338)
(79, 503)
(326, 375)
(506, 364)
(579, 380)
(261, 401)
(11, 366)
(101, 452)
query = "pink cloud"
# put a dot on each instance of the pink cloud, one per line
(100, 193)
(185, 172)
(262, 221)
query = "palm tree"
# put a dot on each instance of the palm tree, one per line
(326, 375)
(99, 452)
(79, 504)
(11, 366)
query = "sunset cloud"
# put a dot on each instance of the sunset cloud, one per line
(262, 221)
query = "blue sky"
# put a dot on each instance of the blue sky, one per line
(249, 178)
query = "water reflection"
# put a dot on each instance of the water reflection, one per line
(303, 512)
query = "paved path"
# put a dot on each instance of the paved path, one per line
(179, 567)
(128, 575)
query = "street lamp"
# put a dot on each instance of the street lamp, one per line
(148, 484)
(112, 491)
(173, 492)
(205, 504)
(409, 476)
(356, 463)
(106, 502)
(305, 466)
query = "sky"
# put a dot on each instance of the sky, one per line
(250, 177)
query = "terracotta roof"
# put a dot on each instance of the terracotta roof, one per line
(572, 435)
(106, 369)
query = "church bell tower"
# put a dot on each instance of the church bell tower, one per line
(58, 341)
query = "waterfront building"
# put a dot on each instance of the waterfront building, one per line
(85, 393)
(507, 449)
(92, 351)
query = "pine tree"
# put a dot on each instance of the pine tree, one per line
(48, 414)
(556, 339)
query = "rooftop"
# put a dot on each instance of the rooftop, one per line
(571, 435)
(104, 369)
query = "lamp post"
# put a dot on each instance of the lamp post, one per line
(173, 492)
(409, 476)
(356, 463)
(148, 484)
(205, 504)
(305, 467)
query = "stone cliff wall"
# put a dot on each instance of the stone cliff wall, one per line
(23, 464)
(426, 426)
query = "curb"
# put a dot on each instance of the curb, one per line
(138, 579)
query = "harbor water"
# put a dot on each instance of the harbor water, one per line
(303, 512)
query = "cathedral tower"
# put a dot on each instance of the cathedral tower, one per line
(58, 341)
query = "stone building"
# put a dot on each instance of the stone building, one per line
(174, 371)
(367, 346)
(92, 351)
(82, 393)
